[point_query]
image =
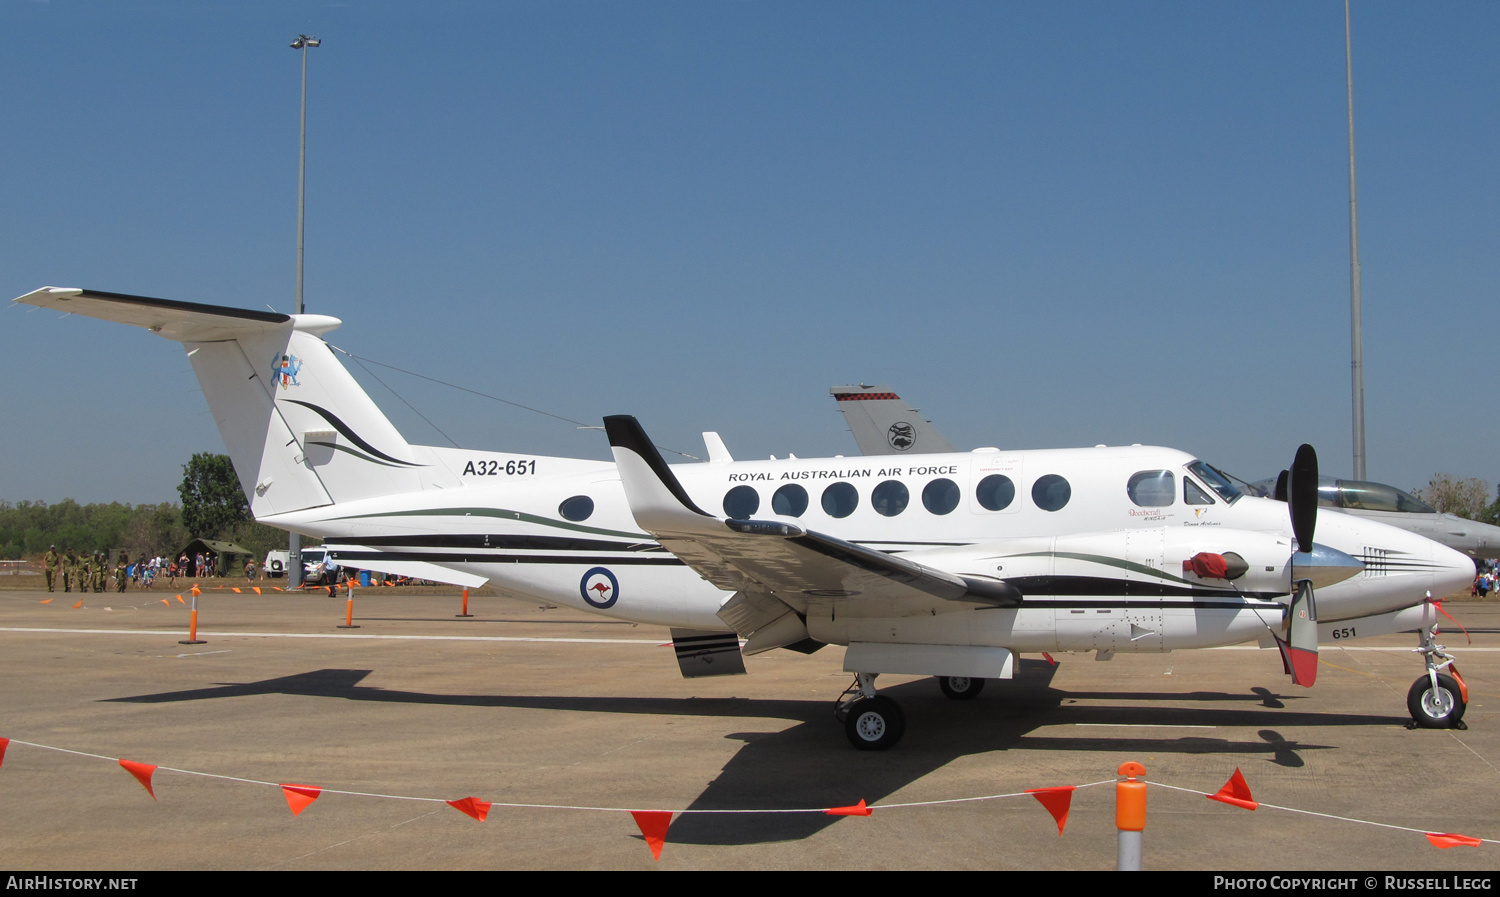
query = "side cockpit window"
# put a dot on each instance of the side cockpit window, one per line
(1152, 488)
(1193, 495)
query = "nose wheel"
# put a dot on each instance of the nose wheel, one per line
(1437, 700)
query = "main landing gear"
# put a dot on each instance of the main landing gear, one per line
(872, 722)
(1437, 700)
(960, 688)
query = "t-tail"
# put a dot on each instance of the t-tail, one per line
(300, 430)
(883, 424)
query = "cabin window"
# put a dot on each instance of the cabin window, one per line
(1152, 488)
(1193, 495)
(940, 496)
(995, 492)
(840, 500)
(577, 508)
(1051, 492)
(741, 503)
(789, 501)
(890, 498)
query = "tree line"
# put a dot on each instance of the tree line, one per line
(213, 506)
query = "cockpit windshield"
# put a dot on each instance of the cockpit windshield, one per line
(1217, 480)
(1366, 496)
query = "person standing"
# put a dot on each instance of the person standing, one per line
(70, 572)
(49, 565)
(122, 567)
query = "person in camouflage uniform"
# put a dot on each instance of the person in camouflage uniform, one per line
(122, 563)
(49, 565)
(70, 572)
(96, 572)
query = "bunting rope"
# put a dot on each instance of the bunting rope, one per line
(1399, 828)
(524, 806)
(654, 823)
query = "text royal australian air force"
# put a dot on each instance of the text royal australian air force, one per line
(850, 473)
(981, 494)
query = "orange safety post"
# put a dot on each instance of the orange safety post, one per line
(1130, 816)
(192, 638)
(466, 606)
(349, 612)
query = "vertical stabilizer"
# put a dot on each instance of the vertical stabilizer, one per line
(882, 424)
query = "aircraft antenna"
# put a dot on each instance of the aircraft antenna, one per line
(483, 395)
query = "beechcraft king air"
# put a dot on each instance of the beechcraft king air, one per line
(946, 564)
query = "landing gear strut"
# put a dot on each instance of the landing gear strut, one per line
(872, 722)
(1437, 700)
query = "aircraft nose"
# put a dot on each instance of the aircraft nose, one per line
(1452, 572)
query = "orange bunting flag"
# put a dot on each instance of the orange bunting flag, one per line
(236, 591)
(167, 602)
(471, 806)
(142, 773)
(79, 604)
(1452, 840)
(180, 601)
(1236, 792)
(653, 825)
(858, 809)
(298, 797)
(255, 589)
(47, 601)
(1057, 801)
(4, 743)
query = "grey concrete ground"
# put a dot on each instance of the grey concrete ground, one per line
(447, 708)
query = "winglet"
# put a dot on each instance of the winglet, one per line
(657, 499)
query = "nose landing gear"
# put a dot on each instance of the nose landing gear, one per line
(1437, 700)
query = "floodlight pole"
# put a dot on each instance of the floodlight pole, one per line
(303, 42)
(1356, 337)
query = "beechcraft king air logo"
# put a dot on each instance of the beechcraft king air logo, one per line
(284, 370)
(599, 588)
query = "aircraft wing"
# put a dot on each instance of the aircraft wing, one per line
(796, 566)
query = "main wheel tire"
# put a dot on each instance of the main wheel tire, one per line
(1436, 709)
(875, 724)
(960, 688)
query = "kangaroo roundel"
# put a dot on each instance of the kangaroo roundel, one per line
(599, 587)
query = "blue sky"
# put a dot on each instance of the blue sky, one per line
(1046, 224)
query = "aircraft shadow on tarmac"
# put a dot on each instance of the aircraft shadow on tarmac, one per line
(810, 765)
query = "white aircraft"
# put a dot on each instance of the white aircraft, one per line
(1136, 549)
(883, 424)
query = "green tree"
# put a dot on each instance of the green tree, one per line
(1466, 497)
(212, 501)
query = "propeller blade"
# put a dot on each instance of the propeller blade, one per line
(1302, 495)
(1299, 653)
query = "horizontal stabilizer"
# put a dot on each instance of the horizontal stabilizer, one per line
(181, 321)
(366, 559)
